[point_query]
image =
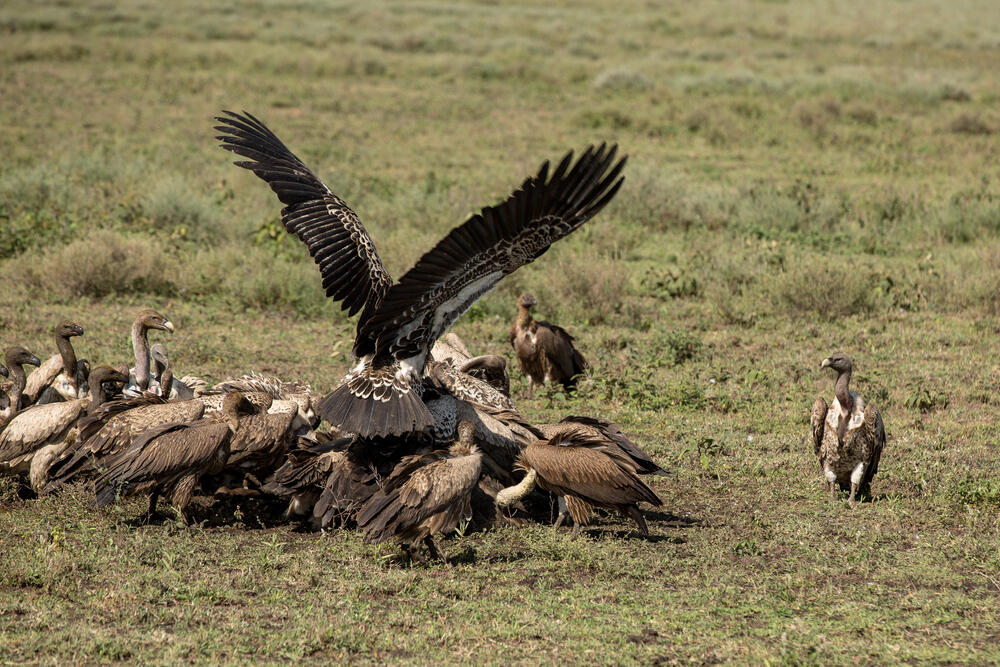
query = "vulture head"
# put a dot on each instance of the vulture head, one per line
(17, 355)
(150, 319)
(839, 362)
(466, 439)
(3, 371)
(158, 354)
(105, 375)
(527, 301)
(235, 404)
(69, 329)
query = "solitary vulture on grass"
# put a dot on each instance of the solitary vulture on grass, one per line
(12, 399)
(381, 395)
(171, 458)
(587, 472)
(848, 436)
(425, 494)
(60, 371)
(40, 432)
(544, 351)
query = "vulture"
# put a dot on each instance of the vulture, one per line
(587, 472)
(425, 494)
(110, 430)
(61, 371)
(544, 351)
(382, 393)
(140, 376)
(171, 458)
(308, 470)
(277, 389)
(848, 436)
(38, 433)
(598, 428)
(12, 399)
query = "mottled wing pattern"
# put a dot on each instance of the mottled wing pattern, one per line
(474, 256)
(42, 377)
(260, 439)
(817, 422)
(36, 426)
(467, 387)
(337, 240)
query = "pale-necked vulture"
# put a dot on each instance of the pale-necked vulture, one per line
(587, 472)
(12, 399)
(39, 433)
(425, 494)
(60, 371)
(381, 395)
(545, 351)
(848, 436)
(171, 458)
(140, 376)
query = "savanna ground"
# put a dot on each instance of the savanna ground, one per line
(804, 177)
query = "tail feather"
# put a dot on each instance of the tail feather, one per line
(369, 405)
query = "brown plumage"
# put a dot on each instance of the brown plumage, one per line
(263, 439)
(110, 430)
(60, 371)
(848, 436)
(169, 459)
(425, 494)
(545, 351)
(599, 429)
(40, 432)
(491, 368)
(587, 473)
(12, 398)
(382, 393)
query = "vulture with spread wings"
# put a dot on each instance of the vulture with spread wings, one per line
(381, 394)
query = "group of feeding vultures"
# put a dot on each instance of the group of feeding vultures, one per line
(422, 436)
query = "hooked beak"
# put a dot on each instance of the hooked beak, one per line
(168, 326)
(826, 362)
(77, 331)
(3, 371)
(34, 361)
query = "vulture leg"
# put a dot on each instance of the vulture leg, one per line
(531, 386)
(562, 512)
(857, 475)
(833, 490)
(633, 511)
(576, 529)
(435, 552)
(152, 505)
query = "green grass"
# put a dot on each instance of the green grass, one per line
(803, 178)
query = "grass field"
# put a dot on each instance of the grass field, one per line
(804, 177)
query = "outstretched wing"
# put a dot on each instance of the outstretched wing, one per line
(337, 241)
(474, 256)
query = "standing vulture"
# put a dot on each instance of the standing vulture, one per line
(425, 494)
(848, 436)
(139, 381)
(544, 351)
(12, 399)
(60, 371)
(171, 458)
(381, 395)
(40, 432)
(587, 472)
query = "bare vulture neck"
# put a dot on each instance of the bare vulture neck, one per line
(140, 345)
(523, 317)
(841, 391)
(17, 386)
(68, 354)
(96, 398)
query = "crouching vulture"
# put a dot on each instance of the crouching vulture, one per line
(848, 436)
(382, 394)
(425, 494)
(587, 472)
(170, 459)
(545, 351)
